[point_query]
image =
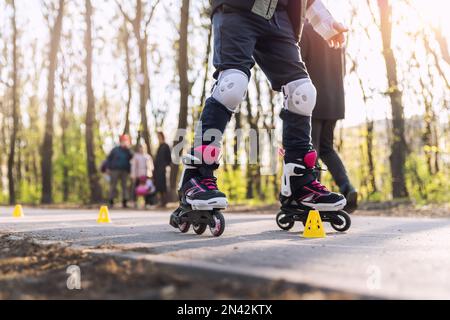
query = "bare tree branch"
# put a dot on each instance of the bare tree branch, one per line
(436, 60)
(152, 12)
(442, 41)
(125, 15)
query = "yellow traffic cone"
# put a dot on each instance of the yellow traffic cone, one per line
(103, 216)
(314, 226)
(18, 212)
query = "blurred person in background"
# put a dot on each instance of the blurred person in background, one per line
(163, 160)
(118, 166)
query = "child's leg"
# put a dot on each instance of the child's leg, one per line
(279, 56)
(300, 185)
(198, 184)
(234, 42)
(114, 178)
(300, 100)
(227, 95)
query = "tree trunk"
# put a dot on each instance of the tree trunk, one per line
(257, 177)
(15, 110)
(64, 124)
(144, 93)
(196, 113)
(369, 145)
(3, 142)
(143, 78)
(437, 167)
(47, 146)
(251, 168)
(276, 178)
(371, 162)
(93, 177)
(398, 146)
(183, 65)
(126, 38)
(65, 169)
(236, 146)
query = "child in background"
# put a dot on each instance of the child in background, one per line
(146, 189)
(141, 166)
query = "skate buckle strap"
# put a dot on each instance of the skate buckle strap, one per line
(210, 183)
(300, 170)
(316, 184)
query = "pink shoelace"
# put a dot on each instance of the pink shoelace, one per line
(210, 183)
(316, 184)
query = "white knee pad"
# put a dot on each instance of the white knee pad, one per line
(231, 88)
(300, 97)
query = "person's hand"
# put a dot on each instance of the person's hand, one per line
(338, 41)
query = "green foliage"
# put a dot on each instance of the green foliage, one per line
(29, 190)
(425, 187)
(234, 183)
(29, 193)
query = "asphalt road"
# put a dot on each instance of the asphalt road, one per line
(381, 257)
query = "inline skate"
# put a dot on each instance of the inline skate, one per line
(301, 192)
(201, 201)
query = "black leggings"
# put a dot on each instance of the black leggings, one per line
(323, 141)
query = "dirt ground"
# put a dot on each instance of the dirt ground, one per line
(34, 271)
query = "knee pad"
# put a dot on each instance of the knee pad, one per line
(300, 97)
(231, 88)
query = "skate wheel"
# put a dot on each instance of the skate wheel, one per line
(184, 227)
(173, 218)
(200, 228)
(219, 224)
(345, 224)
(286, 226)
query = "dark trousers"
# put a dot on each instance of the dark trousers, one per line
(242, 39)
(323, 141)
(116, 176)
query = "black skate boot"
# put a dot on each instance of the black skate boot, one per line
(200, 198)
(301, 192)
(198, 187)
(301, 187)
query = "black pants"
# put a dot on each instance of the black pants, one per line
(323, 141)
(242, 39)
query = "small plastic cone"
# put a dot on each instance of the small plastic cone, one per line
(103, 216)
(18, 212)
(314, 226)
